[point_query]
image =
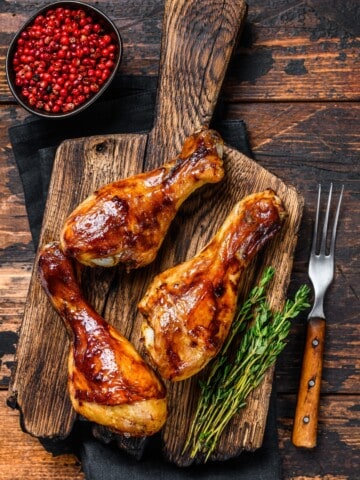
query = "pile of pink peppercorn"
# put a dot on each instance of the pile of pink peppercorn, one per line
(62, 59)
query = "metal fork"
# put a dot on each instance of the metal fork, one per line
(321, 274)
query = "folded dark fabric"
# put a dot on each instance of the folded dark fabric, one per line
(128, 106)
(106, 462)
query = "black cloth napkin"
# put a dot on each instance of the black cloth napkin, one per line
(128, 107)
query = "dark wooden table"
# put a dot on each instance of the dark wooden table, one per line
(295, 80)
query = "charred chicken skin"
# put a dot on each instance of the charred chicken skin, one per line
(127, 220)
(109, 383)
(189, 308)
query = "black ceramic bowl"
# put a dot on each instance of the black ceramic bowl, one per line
(107, 26)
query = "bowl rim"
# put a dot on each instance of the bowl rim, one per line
(11, 50)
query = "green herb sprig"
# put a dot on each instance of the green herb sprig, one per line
(233, 375)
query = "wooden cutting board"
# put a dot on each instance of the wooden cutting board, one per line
(198, 40)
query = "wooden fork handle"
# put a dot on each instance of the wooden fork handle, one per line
(307, 407)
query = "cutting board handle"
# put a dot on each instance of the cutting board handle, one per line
(197, 43)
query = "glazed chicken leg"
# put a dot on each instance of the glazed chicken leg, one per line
(189, 308)
(127, 220)
(109, 383)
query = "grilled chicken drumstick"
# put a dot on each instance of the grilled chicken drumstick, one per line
(189, 308)
(127, 220)
(109, 383)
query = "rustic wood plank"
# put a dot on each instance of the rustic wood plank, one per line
(23, 456)
(295, 51)
(337, 455)
(14, 283)
(195, 53)
(15, 239)
(290, 50)
(324, 136)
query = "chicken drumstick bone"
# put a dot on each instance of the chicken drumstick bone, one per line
(189, 308)
(109, 383)
(127, 220)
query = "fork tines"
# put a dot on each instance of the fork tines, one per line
(322, 248)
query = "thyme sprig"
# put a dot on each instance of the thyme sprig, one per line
(233, 375)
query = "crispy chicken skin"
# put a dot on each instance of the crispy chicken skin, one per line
(189, 308)
(109, 383)
(127, 220)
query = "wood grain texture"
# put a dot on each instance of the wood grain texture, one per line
(23, 456)
(197, 43)
(337, 455)
(298, 50)
(14, 283)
